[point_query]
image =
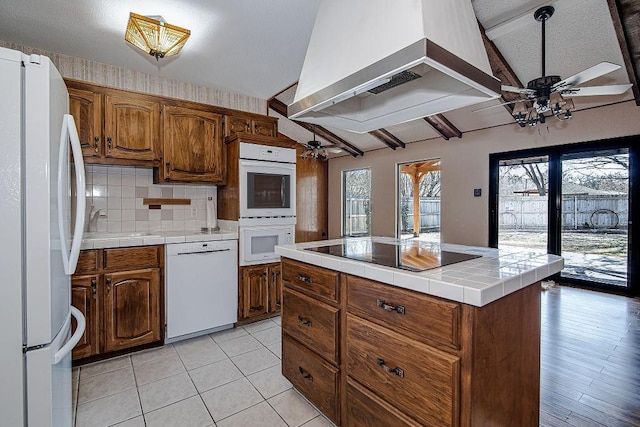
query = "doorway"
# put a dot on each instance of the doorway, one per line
(576, 201)
(418, 201)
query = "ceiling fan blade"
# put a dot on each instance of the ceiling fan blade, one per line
(506, 88)
(333, 149)
(597, 90)
(589, 74)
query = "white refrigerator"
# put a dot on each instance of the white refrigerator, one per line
(39, 245)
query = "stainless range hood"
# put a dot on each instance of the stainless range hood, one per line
(377, 63)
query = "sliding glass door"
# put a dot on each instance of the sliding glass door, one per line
(594, 237)
(576, 201)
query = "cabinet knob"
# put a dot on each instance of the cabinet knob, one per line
(96, 140)
(93, 288)
(397, 308)
(303, 321)
(108, 286)
(168, 165)
(395, 371)
(307, 376)
(304, 278)
(109, 142)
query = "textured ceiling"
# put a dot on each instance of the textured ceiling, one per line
(258, 47)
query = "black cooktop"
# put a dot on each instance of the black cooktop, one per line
(412, 256)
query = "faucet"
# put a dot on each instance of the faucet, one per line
(92, 224)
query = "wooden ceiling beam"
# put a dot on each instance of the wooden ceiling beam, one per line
(501, 70)
(281, 108)
(388, 138)
(625, 15)
(444, 127)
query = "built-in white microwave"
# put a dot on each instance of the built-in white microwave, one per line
(267, 184)
(257, 244)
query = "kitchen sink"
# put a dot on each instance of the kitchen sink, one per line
(98, 235)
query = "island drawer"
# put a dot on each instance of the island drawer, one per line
(316, 379)
(133, 257)
(315, 280)
(311, 322)
(417, 315)
(419, 380)
(364, 409)
(87, 262)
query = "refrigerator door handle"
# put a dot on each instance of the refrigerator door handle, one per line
(80, 327)
(69, 132)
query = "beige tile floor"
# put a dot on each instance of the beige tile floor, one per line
(227, 379)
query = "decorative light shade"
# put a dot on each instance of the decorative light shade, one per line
(314, 152)
(555, 104)
(155, 36)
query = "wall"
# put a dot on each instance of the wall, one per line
(465, 166)
(121, 78)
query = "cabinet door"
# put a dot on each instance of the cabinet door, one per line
(86, 108)
(236, 124)
(254, 291)
(275, 288)
(84, 297)
(264, 127)
(131, 308)
(131, 128)
(193, 146)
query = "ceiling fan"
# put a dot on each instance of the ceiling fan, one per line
(552, 93)
(315, 150)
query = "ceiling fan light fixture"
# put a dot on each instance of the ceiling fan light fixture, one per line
(155, 36)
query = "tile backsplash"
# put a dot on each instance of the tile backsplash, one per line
(117, 193)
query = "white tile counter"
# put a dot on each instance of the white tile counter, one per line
(498, 272)
(116, 240)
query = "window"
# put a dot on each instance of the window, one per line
(356, 202)
(418, 201)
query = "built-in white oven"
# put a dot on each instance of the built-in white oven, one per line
(267, 184)
(257, 243)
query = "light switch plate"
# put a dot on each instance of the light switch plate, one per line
(477, 192)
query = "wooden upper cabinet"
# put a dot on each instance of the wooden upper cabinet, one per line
(258, 125)
(237, 124)
(193, 146)
(131, 127)
(264, 127)
(86, 108)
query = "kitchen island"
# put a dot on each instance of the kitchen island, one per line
(452, 345)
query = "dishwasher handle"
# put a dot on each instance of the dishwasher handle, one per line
(203, 252)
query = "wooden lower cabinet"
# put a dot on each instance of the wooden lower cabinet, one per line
(259, 291)
(84, 297)
(403, 358)
(120, 293)
(131, 308)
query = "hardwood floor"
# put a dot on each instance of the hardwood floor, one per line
(590, 374)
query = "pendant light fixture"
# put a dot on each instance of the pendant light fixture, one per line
(153, 35)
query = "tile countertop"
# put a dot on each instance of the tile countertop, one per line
(116, 240)
(477, 282)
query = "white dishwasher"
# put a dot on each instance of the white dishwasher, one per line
(201, 288)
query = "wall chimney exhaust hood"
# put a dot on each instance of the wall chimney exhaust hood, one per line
(376, 63)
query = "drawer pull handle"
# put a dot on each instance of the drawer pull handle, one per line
(304, 278)
(306, 375)
(397, 308)
(303, 321)
(396, 371)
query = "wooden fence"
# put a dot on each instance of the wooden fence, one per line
(578, 212)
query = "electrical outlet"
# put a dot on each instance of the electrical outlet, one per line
(194, 211)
